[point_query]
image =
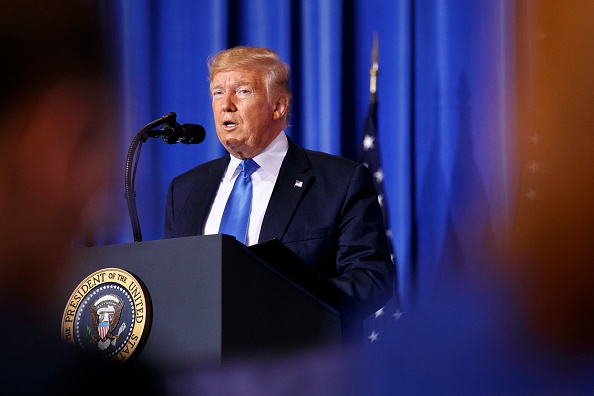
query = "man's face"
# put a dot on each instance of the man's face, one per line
(245, 120)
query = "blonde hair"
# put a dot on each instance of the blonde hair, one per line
(275, 72)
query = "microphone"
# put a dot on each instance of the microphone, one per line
(172, 133)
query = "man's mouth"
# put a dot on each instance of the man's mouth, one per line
(229, 124)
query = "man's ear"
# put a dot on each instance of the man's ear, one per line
(49, 136)
(280, 108)
(55, 136)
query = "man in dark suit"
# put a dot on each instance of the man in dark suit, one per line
(322, 207)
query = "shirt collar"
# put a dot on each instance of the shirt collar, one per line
(272, 157)
(269, 160)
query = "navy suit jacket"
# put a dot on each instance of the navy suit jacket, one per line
(333, 221)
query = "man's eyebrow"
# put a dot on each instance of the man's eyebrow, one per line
(234, 84)
(241, 82)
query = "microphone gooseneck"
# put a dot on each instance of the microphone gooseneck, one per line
(172, 132)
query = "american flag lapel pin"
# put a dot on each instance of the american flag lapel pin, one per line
(298, 183)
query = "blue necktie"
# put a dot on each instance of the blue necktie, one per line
(239, 205)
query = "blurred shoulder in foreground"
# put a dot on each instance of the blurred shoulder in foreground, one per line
(54, 164)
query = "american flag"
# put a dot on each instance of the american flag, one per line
(369, 155)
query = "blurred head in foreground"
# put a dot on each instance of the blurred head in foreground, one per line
(54, 155)
(550, 255)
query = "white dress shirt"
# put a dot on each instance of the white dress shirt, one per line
(263, 180)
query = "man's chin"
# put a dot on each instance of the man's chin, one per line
(235, 147)
(233, 143)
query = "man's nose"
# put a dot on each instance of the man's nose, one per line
(227, 104)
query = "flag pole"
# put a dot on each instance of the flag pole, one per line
(370, 157)
(373, 71)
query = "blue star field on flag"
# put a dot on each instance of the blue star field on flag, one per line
(370, 157)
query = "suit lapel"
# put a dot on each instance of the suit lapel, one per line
(201, 196)
(292, 182)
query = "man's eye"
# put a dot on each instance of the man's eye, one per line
(217, 93)
(244, 91)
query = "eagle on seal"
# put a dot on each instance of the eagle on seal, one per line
(105, 316)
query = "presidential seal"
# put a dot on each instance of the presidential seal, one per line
(108, 313)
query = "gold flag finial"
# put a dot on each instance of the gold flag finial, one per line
(374, 69)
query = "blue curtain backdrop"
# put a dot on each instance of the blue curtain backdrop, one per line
(443, 106)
